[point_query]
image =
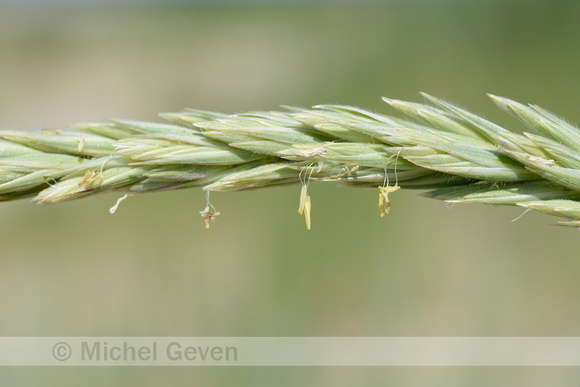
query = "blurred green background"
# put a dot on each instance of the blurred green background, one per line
(153, 270)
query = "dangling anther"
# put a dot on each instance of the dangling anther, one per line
(305, 204)
(209, 213)
(385, 190)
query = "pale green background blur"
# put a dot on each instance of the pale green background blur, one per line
(153, 270)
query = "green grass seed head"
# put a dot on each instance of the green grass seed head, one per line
(455, 155)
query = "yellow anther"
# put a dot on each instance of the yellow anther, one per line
(208, 215)
(305, 205)
(384, 203)
(90, 177)
(81, 146)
